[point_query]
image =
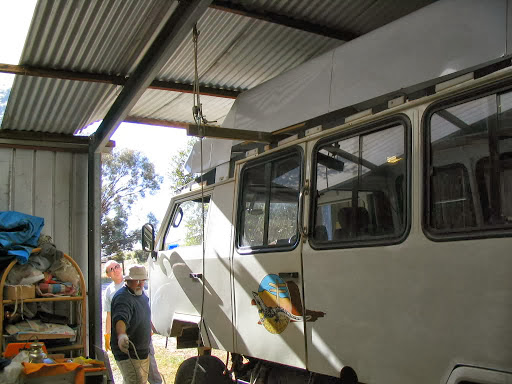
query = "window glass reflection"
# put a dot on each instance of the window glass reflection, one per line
(270, 195)
(360, 187)
(470, 165)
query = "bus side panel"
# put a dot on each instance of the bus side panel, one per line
(410, 312)
(218, 305)
(171, 287)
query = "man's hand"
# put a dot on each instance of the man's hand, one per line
(107, 341)
(123, 342)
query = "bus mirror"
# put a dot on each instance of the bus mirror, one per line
(178, 218)
(148, 237)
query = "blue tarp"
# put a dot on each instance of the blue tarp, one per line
(19, 234)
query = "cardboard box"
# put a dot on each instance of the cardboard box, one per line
(17, 292)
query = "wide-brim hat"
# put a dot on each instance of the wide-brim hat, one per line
(136, 272)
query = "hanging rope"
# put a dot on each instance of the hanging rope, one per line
(199, 119)
(197, 109)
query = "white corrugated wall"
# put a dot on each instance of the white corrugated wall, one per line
(52, 185)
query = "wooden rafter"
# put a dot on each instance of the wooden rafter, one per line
(208, 130)
(25, 70)
(276, 18)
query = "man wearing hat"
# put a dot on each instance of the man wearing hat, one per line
(113, 270)
(131, 327)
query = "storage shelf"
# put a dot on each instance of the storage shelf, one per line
(80, 310)
(65, 348)
(43, 299)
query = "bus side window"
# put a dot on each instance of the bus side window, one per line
(268, 206)
(470, 183)
(452, 202)
(185, 228)
(358, 195)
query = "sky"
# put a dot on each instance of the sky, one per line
(157, 143)
(15, 17)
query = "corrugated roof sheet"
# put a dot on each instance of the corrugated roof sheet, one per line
(359, 17)
(94, 36)
(174, 106)
(110, 37)
(237, 52)
(55, 105)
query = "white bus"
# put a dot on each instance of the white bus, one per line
(374, 246)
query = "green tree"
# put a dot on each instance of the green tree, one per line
(151, 219)
(194, 224)
(4, 96)
(179, 179)
(177, 174)
(127, 175)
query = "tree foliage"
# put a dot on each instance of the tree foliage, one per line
(177, 174)
(127, 176)
(4, 96)
(192, 222)
(151, 219)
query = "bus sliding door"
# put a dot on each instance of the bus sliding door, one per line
(267, 259)
(357, 223)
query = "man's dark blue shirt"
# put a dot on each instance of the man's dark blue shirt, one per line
(135, 312)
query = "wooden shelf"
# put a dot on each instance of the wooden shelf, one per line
(80, 346)
(28, 336)
(43, 299)
(65, 348)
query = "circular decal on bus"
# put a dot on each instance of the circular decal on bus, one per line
(279, 303)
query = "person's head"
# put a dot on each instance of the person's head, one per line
(136, 278)
(114, 271)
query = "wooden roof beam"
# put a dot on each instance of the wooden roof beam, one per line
(275, 18)
(25, 70)
(207, 130)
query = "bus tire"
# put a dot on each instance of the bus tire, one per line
(209, 370)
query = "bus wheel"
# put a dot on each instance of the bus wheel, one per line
(209, 370)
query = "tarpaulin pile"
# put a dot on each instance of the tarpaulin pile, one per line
(19, 234)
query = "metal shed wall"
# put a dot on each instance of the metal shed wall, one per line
(52, 185)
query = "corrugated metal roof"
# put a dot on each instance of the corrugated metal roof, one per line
(94, 36)
(174, 106)
(56, 106)
(237, 52)
(358, 17)
(111, 36)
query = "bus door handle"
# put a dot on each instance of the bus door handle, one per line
(300, 220)
(196, 276)
(289, 275)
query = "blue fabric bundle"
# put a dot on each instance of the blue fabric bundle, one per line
(19, 234)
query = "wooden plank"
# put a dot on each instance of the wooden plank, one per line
(157, 122)
(5, 177)
(23, 191)
(43, 187)
(282, 19)
(24, 70)
(229, 133)
(61, 208)
(65, 348)
(41, 336)
(43, 299)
